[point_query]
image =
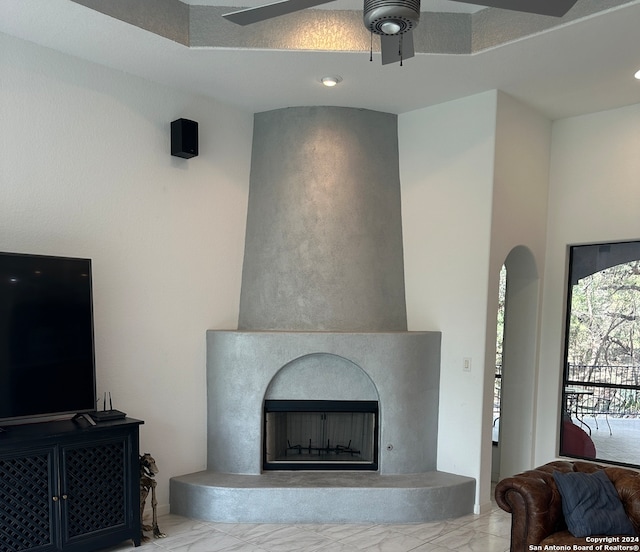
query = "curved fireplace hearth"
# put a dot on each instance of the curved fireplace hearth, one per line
(397, 370)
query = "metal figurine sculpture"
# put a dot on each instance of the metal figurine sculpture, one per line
(148, 470)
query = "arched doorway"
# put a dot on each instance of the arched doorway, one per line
(497, 379)
(519, 357)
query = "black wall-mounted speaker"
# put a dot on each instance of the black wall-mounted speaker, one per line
(184, 138)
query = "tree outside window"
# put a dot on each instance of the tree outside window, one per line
(601, 392)
(497, 381)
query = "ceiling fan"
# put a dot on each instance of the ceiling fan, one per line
(394, 20)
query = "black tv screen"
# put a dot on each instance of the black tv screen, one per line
(46, 336)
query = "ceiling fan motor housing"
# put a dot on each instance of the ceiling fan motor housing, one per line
(406, 13)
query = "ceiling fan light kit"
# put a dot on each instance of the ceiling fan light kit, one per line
(390, 27)
(380, 16)
(394, 20)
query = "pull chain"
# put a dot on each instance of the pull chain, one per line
(371, 48)
(400, 50)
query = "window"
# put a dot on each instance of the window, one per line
(601, 384)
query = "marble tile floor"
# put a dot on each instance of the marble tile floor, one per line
(474, 533)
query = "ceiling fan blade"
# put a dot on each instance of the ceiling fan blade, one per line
(543, 7)
(396, 47)
(261, 13)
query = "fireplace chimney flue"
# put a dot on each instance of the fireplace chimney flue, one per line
(323, 245)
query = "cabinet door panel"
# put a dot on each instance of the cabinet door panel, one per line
(26, 490)
(93, 488)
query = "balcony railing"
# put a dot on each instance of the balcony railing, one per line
(612, 390)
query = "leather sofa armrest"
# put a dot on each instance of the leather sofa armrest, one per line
(627, 483)
(535, 506)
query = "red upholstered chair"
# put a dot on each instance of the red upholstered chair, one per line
(576, 441)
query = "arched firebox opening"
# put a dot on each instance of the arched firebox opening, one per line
(320, 413)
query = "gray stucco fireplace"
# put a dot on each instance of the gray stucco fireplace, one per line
(321, 404)
(399, 371)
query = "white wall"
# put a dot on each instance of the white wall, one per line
(474, 176)
(446, 173)
(85, 170)
(594, 196)
(523, 144)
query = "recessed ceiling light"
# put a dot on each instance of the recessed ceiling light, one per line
(637, 75)
(330, 81)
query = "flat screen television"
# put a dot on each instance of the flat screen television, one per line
(47, 363)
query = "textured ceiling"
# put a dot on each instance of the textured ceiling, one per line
(427, 5)
(581, 63)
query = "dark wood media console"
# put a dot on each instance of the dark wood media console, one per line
(69, 486)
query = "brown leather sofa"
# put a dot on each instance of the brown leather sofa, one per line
(535, 504)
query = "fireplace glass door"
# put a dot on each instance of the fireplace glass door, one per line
(320, 435)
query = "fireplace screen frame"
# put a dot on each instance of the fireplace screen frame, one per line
(328, 407)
